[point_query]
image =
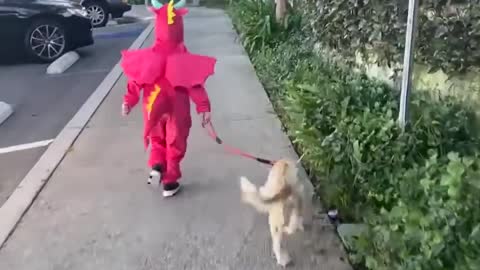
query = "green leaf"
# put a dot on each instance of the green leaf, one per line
(397, 212)
(452, 156)
(371, 262)
(356, 151)
(455, 168)
(307, 87)
(447, 180)
(425, 183)
(453, 191)
(475, 234)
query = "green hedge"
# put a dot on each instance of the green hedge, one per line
(448, 34)
(417, 190)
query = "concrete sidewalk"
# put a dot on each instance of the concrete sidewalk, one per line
(96, 212)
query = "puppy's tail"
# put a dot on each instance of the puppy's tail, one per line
(251, 196)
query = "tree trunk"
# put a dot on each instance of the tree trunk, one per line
(280, 10)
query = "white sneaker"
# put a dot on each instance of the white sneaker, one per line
(154, 177)
(170, 190)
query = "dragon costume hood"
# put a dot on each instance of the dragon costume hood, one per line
(169, 24)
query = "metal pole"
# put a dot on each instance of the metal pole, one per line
(408, 61)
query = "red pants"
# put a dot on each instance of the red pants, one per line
(168, 140)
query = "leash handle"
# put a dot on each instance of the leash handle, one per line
(211, 132)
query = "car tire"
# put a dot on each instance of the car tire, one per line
(99, 12)
(46, 40)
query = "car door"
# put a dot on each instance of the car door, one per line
(7, 19)
(11, 23)
(14, 16)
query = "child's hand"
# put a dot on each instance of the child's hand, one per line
(206, 118)
(125, 109)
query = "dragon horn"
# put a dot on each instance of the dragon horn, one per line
(156, 4)
(180, 4)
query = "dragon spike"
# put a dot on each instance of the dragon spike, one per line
(156, 4)
(180, 4)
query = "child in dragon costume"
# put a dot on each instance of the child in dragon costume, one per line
(169, 76)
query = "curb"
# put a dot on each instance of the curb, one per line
(12, 211)
(63, 63)
(5, 111)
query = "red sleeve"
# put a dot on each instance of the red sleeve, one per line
(132, 95)
(200, 97)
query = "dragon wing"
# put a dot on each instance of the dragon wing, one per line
(143, 66)
(188, 70)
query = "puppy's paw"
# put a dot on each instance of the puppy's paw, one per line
(284, 259)
(289, 230)
(295, 224)
(292, 229)
(264, 192)
(247, 186)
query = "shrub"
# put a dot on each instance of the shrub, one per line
(434, 223)
(346, 124)
(256, 25)
(448, 33)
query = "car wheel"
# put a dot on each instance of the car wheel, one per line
(46, 40)
(97, 13)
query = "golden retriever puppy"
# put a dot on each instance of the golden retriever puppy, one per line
(283, 195)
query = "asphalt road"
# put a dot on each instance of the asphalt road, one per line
(43, 103)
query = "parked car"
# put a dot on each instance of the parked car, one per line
(43, 29)
(100, 10)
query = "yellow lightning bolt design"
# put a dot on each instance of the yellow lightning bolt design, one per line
(170, 13)
(151, 99)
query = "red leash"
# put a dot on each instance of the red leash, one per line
(211, 132)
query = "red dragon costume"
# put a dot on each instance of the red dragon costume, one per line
(169, 76)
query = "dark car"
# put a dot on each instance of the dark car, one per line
(100, 10)
(43, 29)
